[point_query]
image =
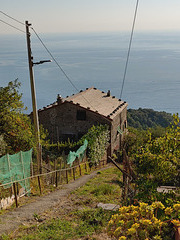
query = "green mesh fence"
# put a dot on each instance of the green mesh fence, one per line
(78, 154)
(16, 167)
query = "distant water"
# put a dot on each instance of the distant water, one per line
(98, 59)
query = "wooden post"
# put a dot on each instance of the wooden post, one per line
(74, 173)
(56, 179)
(33, 94)
(17, 187)
(55, 170)
(60, 173)
(80, 169)
(15, 194)
(67, 176)
(85, 167)
(39, 183)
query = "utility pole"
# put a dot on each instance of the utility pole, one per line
(33, 95)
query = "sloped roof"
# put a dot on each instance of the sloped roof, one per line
(98, 101)
(94, 100)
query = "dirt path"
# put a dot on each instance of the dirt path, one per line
(25, 215)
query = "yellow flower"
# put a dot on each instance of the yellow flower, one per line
(121, 223)
(143, 205)
(135, 225)
(168, 211)
(123, 210)
(176, 207)
(156, 222)
(117, 232)
(135, 214)
(111, 222)
(176, 222)
(122, 238)
(131, 231)
(157, 205)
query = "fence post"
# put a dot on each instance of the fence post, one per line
(56, 178)
(85, 167)
(80, 169)
(39, 183)
(74, 173)
(54, 170)
(15, 194)
(67, 176)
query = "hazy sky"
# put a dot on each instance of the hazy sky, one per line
(91, 15)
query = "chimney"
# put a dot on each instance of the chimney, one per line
(59, 99)
(108, 93)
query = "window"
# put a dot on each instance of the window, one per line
(81, 115)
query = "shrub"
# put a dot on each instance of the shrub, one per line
(145, 222)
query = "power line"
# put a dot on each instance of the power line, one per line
(67, 77)
(11, 17)
(129, 48)
(54, 60)
(12, 26)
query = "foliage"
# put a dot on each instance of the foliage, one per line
(148, 118)
(15, 126)
(3, 145)
(135, 138)
(158, 160)
(145, 222)
(98, 139)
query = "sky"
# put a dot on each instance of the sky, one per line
(59, 16)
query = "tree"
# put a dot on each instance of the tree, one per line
(15, 126)
(158, 161)
(148, 118)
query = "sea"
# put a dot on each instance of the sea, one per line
(97, 59)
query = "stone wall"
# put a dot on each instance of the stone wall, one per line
(61, 121)
(68, 120)
(120, 120)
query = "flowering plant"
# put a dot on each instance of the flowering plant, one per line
(143, 222)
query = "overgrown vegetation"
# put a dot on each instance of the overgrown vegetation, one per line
(156, 161)
(98, 140)
(15, 127)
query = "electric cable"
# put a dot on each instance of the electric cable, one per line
(59, 66)
(12, 18)
(67, 77)
(12, 26)
(129, 48)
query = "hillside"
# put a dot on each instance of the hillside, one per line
(148, 118)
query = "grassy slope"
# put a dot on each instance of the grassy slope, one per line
(79, 218)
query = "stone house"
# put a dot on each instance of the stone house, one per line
(71, 117)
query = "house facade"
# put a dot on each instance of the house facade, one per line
(71, 117)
